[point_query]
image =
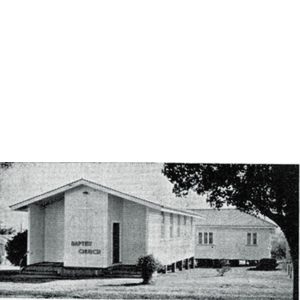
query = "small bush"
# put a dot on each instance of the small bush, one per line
(225, 267)
(267, 264)
(16, 249)
(148, 265)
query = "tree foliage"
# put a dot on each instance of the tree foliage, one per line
(272, 190)
(16, 249)
(7, 231)
(5, 165)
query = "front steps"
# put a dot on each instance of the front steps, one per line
(49, 269)
(45, 268)
(58, 270)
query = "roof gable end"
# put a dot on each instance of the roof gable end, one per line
(24, 204)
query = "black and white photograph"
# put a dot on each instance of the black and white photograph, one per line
(117, 230)
(149, 149)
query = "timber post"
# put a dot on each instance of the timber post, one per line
(164, 271)
(173, 268)
(180, 265)
(192, 262)
(187, 263)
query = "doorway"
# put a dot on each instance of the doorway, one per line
(116, 243)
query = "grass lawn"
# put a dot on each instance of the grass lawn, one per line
(192, 284)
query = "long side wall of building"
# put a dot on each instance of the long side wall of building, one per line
(167, 247)
(231, 243)
(36, 234)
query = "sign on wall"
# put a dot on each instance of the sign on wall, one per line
(85, 244)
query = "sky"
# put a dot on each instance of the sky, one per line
(144, 180)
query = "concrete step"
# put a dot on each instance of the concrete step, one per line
(36, 272)
(129, 271)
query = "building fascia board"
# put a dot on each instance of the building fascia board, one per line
(178, 212)
(236, 226)
(21, 206)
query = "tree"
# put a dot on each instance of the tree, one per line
(271, 190)
(16, 249)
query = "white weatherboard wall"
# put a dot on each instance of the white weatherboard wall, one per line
(231, 243)
(36, 226)
(54, 232)
(169, 249)
(133, 232)
(86, 228)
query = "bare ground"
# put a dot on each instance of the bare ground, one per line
(239, 283)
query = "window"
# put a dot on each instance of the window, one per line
(248, 238)
(211, 238)
(251, 238)
(178, 227)
(254, 240)
(162, 225)
(200, 238)
(205, 238)
(171, 225)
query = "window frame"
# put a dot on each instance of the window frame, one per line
(163, 225)
(200, 238)
(171, 226)
(205, 238)
(251, 239)
(210, 238)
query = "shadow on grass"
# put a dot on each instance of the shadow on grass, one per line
(260, 270)
(128, 284)
(23, 279)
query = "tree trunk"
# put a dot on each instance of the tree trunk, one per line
(296, 279)
(294, 256)
(291, 234)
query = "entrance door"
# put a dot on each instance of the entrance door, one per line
(116, 243)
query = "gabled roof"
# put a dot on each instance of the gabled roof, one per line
(56, 193)
(231, 218)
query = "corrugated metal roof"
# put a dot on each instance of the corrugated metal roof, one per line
(231, 217)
